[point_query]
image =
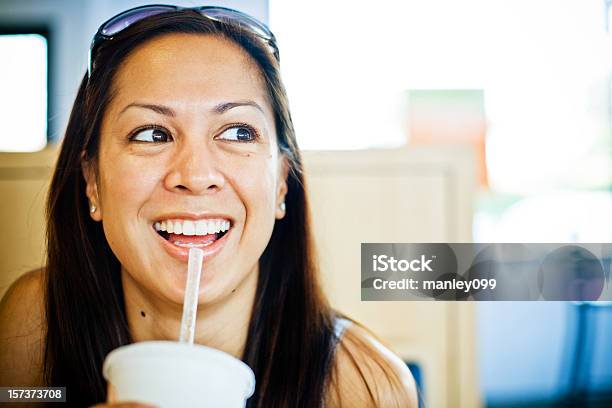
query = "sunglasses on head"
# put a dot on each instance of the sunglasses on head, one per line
(121, 21)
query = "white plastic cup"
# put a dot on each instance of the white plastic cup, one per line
(169, 374)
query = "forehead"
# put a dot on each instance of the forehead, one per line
(190, 69)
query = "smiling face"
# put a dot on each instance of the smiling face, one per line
(188, 145)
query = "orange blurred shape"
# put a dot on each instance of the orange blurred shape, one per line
(449, 117)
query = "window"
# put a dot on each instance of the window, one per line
(544, 68)
(24, 85)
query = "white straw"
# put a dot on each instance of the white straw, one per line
(190, 303)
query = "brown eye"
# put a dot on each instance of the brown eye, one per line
(151, 135)
(239, 134)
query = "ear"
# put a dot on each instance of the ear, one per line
(281, 190)
(91, 189)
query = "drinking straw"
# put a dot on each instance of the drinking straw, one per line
(190, 302)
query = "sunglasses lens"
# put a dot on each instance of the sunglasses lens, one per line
(233, 16)
(222, 14)
(124, 20)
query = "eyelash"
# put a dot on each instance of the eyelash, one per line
(244, 125)
(154, 126)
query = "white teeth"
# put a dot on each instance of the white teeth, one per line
(200, 227)
(188, 227)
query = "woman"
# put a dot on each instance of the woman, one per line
(181, 136)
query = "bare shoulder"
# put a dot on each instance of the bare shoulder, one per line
(367, 374)
(22, 331)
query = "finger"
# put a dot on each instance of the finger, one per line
(110, 393)
(124, 405)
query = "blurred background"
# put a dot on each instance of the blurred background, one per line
(420, 121)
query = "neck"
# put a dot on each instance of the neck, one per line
(222, 325)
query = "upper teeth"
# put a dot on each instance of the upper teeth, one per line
(188, 227)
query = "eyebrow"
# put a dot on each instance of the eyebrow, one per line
(167, 111)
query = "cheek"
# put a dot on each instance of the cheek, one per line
(255, 181)
(126, 185)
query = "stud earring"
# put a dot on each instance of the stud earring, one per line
(93, 208)
(282, 206)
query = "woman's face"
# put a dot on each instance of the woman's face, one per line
(188, 144)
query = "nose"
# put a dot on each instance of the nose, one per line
(194, 170)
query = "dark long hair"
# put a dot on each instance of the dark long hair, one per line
(290, 336)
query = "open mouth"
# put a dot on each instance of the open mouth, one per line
(192, 234)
